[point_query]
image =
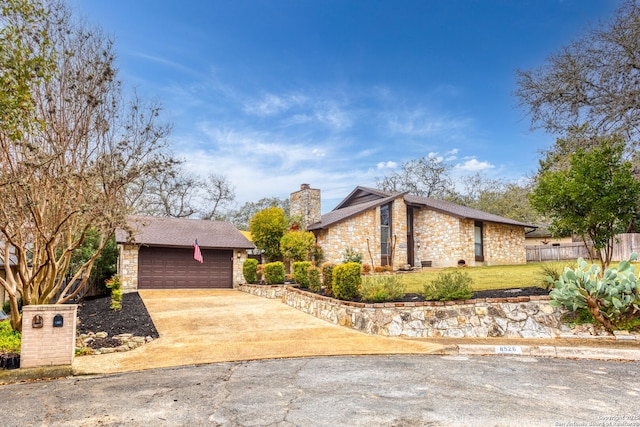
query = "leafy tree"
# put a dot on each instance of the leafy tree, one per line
(105, 265)
(507, 199)
(66, 162)
(596, 197)
(592, 80)
(267, 228)
(426, 177)
(296, 245)
(241, 217)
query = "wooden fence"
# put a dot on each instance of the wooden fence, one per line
(623, 247)
(562, 252)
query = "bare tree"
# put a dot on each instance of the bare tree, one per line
(218, 194)
(595, 80)
(66, 172)
(426, 177)
(168, 193)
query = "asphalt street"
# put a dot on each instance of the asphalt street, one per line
(341, 391)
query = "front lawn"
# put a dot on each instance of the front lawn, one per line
(486, 278)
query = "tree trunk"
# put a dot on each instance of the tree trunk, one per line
(594, 308)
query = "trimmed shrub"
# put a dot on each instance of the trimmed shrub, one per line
(453, 285)
(116, 292)
(366, 268)
(382, 288)
(301, 273)
(274, 272)
(315, 283)
(351, 255)
(250, 270)
(347, 280)
(327, 277)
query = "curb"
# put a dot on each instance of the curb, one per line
(630, 355)
(27, 374)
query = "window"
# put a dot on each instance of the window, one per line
(385, 234)
(478, 244)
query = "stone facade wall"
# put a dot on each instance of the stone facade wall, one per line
(239, 257)
(306, 204)
(437, 238)
(128, 267)
(361, 233)
(504, 244)
(399, 233)
(522, 317)
(48, 346)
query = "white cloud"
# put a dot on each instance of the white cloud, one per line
(451, 155)
(423, 123)
(272, 104)
(474, 165)
(387, 165)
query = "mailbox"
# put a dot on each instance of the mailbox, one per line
(37, 321)
(58, 321)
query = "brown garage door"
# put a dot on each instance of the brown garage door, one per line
(171, 268)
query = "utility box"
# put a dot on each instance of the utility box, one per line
(48, 335)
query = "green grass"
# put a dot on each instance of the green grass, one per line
(485, 278)
(9, 339)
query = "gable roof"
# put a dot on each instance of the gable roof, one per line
(362, 199)
(180, 232)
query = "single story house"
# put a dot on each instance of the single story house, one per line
(542, 236)
(399, 229)
(159, 253)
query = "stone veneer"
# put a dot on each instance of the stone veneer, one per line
(128, 267)
(306, 204)
(440, 238)
(521, 317)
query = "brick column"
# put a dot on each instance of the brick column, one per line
(48, 345)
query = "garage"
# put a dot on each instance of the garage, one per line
(175, 268)
(158, 253)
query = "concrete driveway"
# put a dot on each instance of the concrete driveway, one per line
(209, 326)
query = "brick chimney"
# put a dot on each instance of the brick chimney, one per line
(305, 203)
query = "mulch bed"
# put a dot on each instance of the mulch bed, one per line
(95, 315)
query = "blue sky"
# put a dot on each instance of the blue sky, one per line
(335, 93)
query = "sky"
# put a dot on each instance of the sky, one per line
(336, 93)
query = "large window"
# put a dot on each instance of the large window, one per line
(479, 249)
(385, 234)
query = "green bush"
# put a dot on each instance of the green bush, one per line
(347, 280)
(315, 283)
(453, 285)
(9, 339)
(301, 273)
(274, 272)
(613, 298)
(250, 270)
(116, 292)
(382, 288)
(351, 255)
(327, 277)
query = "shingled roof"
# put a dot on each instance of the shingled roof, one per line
(362, 199)
(179, 232)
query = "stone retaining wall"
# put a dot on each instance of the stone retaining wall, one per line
(521, 317)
